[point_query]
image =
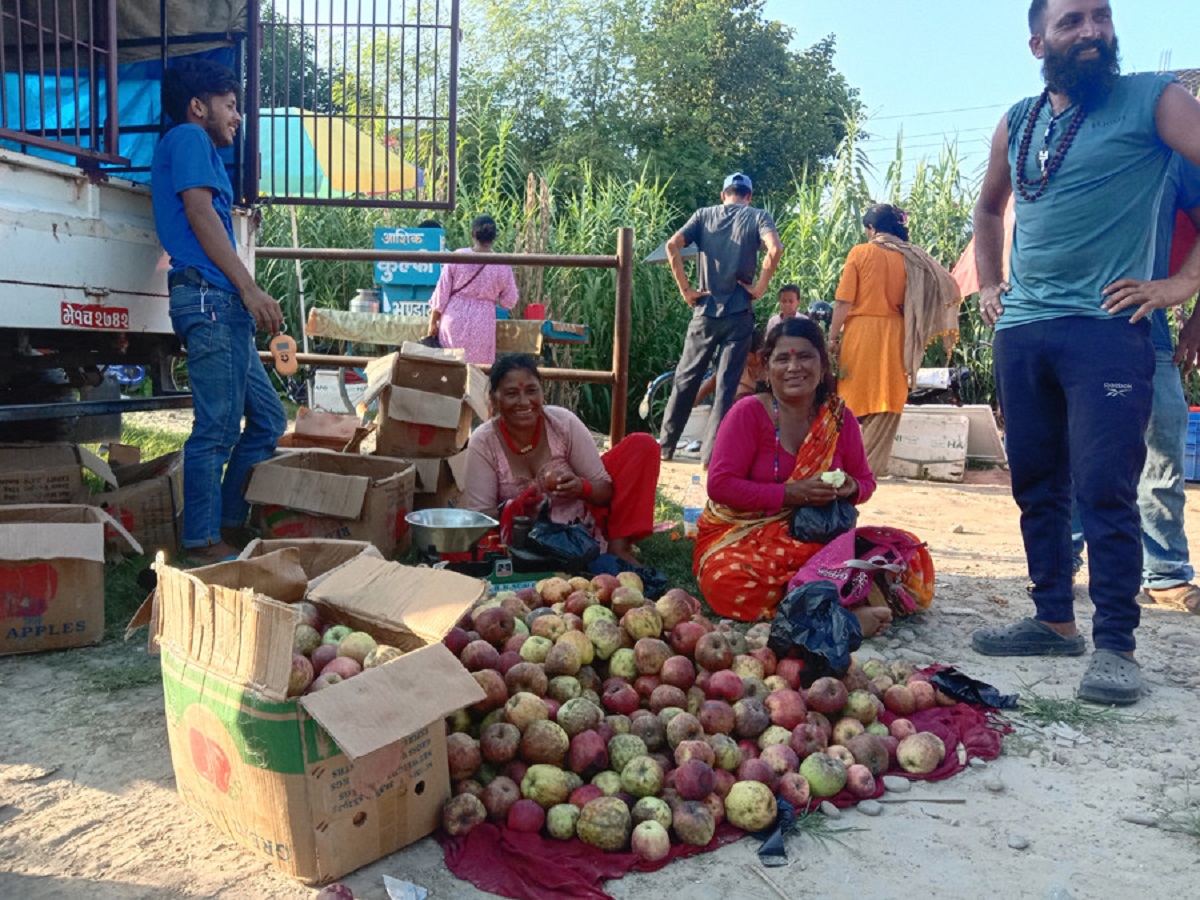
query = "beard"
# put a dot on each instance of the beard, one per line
(1086, 82)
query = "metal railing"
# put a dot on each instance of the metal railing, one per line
(359, 103)
(621, 262)
(69, 49)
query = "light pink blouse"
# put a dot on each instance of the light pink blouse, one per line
(469, 309)
(490, 480)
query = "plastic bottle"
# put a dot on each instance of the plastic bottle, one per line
(693, 505)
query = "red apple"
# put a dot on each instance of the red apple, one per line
(526, 816)
(789, 669)
(786, 708)
(826, 695)
(713, 652)
(620, 698)
(716, 716)
(725, 684)
(456, 640)
(667, 695)
(685, 636)
(479, 655)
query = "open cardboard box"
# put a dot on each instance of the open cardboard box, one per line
(426, 402)
(148, 502)
(49, 473)
(440, 482)
(320, 493)
(325, 783)
(52, 575)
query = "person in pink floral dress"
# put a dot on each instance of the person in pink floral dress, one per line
(463, 306)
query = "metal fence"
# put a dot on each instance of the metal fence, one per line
(358, 102)
(66, 48)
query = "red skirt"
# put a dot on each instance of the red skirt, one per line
(633, 467)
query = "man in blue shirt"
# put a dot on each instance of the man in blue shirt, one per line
(1087, 159)
(215, 307)
(728, 237)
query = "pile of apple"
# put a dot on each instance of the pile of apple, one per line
(623, 721)
(324, 654)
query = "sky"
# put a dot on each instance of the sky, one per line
(939, 69)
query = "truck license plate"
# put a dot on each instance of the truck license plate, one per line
(83, 315)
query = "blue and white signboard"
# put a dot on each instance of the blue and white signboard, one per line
(405, 287)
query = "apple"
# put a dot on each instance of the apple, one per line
(789, 670)
(826, 776)
(924, 696)
(713, 652)
(587, 754)
(841, 754)
(494, 624)
(651, 809)
(651, 654)
(650, 729)
(642, 776)
(869, 751)
(716, 717)
(793, 787)
(693, 823)
(526, 816)
(826, 695)
(523, 708)
(526, 677)
(684, 727)
(861, 705)
(461, 813)
(666, 696)
(859, 781)
(726, 685)
(921, 753)
(750, 718)
(748, 667)
(536, 649)
(781, 758)
(479, 655)
(757, 770)
(901, 728)
(697, 749)
(786, 708)
(620, 698)
(603, 585)
(499, 742)
(551, 627)
(674, 606)
(808, 739)
(624, 747)
(751, 806)
(323, 656)
(499, 796)
(563, 658)
(584, 794)
(685, 636)
(507, 660)
(845, 729)
(726, 753)
(579, 601)
(604, 635)
(642, 622)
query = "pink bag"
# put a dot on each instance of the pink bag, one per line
(871, 555)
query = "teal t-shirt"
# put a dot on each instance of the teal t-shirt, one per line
(1098, 219)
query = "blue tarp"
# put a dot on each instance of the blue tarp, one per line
(58, 100)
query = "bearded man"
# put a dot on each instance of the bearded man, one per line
(1087, 159)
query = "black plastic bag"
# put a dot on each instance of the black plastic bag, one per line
(654, 582)
(966, 689)
(821, 524)
(811, 620)
(772, 852)
(570, 545)
(430, 340)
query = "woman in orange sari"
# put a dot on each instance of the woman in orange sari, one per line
(768, 458)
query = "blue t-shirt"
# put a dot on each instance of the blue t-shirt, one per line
(1097, 221)
(1180, 191)
(187, 158)
(728, 238)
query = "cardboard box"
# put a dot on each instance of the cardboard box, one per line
(325, 783)
(148, 502)
(319, 493)
(440, 482)
(932, 447)
(426, 401)
(316, 428)
(318, 557)
(52, 575)
(48, 473)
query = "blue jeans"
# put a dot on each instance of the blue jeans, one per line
(729, 338)
(1161, 490)
(1076, 396)
(228, 381)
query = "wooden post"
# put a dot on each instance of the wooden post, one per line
(622, 329)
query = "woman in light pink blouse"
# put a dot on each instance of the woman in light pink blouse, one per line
(463, 306)
(529, 452)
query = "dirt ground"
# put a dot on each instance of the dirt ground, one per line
(88, 806)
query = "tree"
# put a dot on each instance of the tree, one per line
(717, 90)
(291, 74)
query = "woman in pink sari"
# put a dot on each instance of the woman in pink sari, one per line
(463, 306)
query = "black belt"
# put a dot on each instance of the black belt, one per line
(190, 277)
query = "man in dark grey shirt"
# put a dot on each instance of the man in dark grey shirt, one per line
(729, 238)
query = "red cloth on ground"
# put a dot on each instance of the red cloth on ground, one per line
(531, 867)
(633, 467)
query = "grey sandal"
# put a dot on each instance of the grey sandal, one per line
(1029, 637)
(1111, 678)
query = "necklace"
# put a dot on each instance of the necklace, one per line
(512, 445)
(778, 443)
(1047, 162)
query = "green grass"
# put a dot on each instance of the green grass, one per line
(667, 552)
(820, 828)
(1042, 710)
(125, 674)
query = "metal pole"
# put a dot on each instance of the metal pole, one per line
(365, 254)
(299, 280)
(583, 376)
(622, 329)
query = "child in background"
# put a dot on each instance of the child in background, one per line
(789, 305)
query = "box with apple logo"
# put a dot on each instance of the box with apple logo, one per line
(52, 575)
(326, 782)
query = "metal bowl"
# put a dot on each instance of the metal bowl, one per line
(448, 530)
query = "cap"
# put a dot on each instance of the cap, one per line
(738, 179)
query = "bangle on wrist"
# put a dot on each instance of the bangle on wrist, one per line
(586, 491)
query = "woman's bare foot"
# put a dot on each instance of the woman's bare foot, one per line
(213, 553)
(621, 548)
(872, 619)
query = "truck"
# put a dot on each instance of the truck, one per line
(83, 287)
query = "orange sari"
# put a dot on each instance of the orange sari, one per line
(744, 561)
